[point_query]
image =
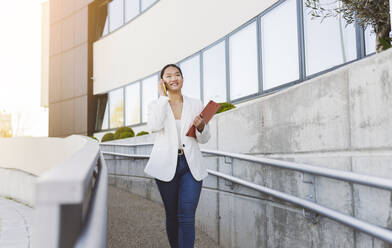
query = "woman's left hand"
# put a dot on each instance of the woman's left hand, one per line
(199, 123)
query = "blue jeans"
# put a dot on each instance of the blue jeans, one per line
(180, 197)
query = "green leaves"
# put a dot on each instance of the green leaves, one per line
(120, 130)
(374, 13)
(122, 133)
(141, 133)
(385, 42)
(107, 137)
(224, 107)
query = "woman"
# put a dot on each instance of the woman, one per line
(176, 161)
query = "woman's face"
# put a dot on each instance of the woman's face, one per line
(173, 79)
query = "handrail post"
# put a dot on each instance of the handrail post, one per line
(229, 161)
(311, 196)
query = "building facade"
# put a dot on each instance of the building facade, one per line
(105, 56)
(71, 103)
(45, 55)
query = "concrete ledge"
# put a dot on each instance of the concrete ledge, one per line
(18, 185)
(18, 174)
(39, 154)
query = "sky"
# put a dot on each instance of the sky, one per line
(20, 67)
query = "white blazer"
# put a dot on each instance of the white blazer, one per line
(163, 159)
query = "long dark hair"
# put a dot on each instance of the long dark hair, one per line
(170, 65)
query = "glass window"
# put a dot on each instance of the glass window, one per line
(370, 40)
(105, 123)
(106, 27)
(328, 43)
(132, 9)
(147, 3)
(150, 93)
(116, 13)
(116, 98)
(243, 62)
(214, 73)
(191, 72)
(132, 104)
(278, 51)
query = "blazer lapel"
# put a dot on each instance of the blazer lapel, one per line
(186, 114)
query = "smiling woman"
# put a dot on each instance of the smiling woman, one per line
(176, 161)
(20, 67)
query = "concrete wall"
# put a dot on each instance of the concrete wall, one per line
(339, 120)
(170, 31)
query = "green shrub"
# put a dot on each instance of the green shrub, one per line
(93, 137)
(224, 107)
(141, 133)
(120, 130)
(108, 137)
(124, 135)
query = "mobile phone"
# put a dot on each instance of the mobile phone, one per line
(164, 87)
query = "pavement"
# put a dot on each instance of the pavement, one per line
(15, 224)
(133, 222)
(137, 222)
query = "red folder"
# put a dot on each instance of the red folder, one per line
(208, 112)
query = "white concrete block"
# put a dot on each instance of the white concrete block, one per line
(370, 85)
(207, 216)
(243, 221)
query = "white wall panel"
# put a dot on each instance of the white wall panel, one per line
(166, 33)
(279, 45)
(191, 72)
(243, 62)
(214, 73)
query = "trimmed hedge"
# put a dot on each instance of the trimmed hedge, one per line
(93, 137)
(120, 130)
(141, 133)
(224, 107)
(108, 137)
(124, 135)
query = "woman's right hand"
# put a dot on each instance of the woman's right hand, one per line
(161, 91)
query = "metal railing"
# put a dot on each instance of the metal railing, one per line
(71, 202)
(371, 229)
(347, 176)
(126, 145)
(95, 229)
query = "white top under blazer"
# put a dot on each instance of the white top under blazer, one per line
(163, 158)
(178, 126)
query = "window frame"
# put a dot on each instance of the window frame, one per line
(360, 54)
